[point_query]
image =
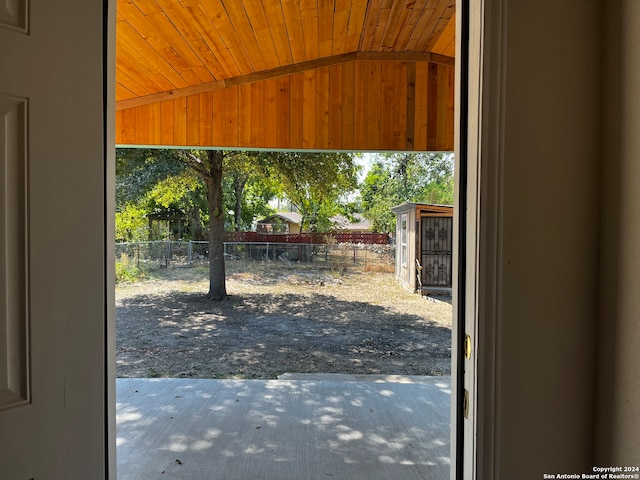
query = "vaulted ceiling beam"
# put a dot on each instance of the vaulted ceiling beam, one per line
(283, 71)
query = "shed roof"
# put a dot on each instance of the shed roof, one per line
(424, 208)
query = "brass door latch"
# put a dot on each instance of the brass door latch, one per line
(467, 347)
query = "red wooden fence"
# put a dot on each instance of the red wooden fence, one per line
(365, 238)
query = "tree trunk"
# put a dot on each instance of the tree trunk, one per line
(217, 283)
(238, 186)
(196, 225)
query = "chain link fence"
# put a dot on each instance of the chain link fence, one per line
(146, 256)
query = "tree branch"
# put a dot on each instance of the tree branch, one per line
(195, 164)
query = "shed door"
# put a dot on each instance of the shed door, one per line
(435, 251)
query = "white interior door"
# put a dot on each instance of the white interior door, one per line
(52, 231)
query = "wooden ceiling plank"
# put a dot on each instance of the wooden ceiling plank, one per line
(281, 41)
(340, 26)
(451, 48)
(445, 38)
(310, 30)
(439, 29)
(437, 22)
(226, 31)
(273, 12)
(293, 21)
(417, 9)
(255, 13)
(325, 27)
(213, 40)
(214, 53)
(180, 18)
(203, 73)
(162, 82)
(210, 61)
(244, 31)
(370, 22)
(241, 59)
(159, 33)
(397, 15)
(122, 93)
(146, 6)
(136, 66)
(129, 83)
(268, 48)
(356, 25)
(422, 25)
(342, 5)
(378, 31)
(309, 8)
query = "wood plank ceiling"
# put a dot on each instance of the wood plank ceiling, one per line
(338, 74)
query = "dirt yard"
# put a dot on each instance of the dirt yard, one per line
(278, 320)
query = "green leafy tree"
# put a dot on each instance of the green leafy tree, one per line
(315, 183)
(397, 178)
(150, 181)
(247, 191)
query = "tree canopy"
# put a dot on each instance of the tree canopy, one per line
(315, 183)
(408, 177)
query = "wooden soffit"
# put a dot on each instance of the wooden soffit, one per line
(317, 74)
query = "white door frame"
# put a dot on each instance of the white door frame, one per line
(480, 279)
(479, 140)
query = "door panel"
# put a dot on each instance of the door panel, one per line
(436, 249)
(52, 265)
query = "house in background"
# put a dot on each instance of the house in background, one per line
(424, 245)
(290, 223)
(281, 222)
(358, 224)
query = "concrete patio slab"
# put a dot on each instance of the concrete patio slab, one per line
(314, 428)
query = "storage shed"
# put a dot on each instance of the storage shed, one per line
(424, 243)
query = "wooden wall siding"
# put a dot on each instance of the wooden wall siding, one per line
(361, 105)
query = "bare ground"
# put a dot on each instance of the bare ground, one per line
(279, 319)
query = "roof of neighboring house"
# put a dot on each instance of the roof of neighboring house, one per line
(291, 217)
(341, 222)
